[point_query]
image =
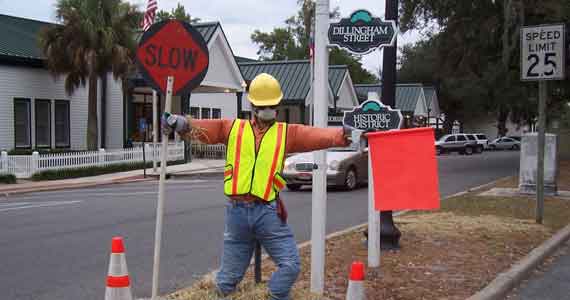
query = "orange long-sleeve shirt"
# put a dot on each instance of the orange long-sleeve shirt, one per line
(300, 138)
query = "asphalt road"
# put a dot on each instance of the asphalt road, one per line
(55, 245)
(551, 282)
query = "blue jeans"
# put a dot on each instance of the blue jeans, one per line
(246, 223)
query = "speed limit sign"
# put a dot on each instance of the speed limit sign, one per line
(543, 52)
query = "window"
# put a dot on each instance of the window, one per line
(471, 137)
(22, 120)
(481, 137)
(62, 123)
(205, 113)
(450, 139)
(195, 112)
(461, 138)
(43, 123)
(216, 113)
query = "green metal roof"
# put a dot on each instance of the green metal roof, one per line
(293, 75)
(430, 95)
(19, 37)
(241, 59)
(407, 95)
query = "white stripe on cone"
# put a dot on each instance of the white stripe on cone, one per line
(355, 290)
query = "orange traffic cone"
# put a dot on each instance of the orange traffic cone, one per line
(356, 282)
(118, 283)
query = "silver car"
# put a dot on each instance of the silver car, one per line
(346, 168)
(504, 143)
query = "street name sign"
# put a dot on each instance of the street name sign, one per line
(362, 33)
(373, 115)
(543, 50)
(173, 48)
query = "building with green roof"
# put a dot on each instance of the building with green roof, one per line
(36, 111)
(295, 79)
(410, 97)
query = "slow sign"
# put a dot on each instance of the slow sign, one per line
(173, 48)
(373, 115)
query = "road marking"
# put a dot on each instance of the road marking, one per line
(43, 204)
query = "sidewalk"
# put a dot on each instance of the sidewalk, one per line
(550, 282)
(195, 167)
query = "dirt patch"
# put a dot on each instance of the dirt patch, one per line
(449, 254)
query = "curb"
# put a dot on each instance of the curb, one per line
(73, 186)
(505, 282)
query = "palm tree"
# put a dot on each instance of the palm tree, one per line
(95, 37)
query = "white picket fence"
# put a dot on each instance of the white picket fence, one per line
(217, 151)
(24, 166)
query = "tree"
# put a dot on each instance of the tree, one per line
(292, 42)
(477, 47)
(178, 13)
(94, 38)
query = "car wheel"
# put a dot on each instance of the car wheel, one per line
(468, 151)
(515, 147)
(438, 151)
(350, 180)
(294, 187)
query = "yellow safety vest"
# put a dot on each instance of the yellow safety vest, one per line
(250, 172)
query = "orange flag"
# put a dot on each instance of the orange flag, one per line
(404, 167)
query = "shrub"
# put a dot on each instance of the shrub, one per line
(93, 171)
(7, 178)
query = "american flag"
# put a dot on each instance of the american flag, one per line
(149, 14)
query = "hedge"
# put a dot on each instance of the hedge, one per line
(93, 171)
(7, 178)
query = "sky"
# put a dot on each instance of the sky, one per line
(239, 19)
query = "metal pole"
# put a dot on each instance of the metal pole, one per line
(319, 207)
(373, 222)
(543, 94)
(160, 205)
(154, 130)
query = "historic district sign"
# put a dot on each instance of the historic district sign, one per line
(543, 52)
(362, 33)
(173, 48)
(373, 115)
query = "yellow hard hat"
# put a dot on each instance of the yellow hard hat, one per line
(264, 90)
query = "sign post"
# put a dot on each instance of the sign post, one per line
(372, 115)
(167, 51)
(362, 33)
(543, 50)
(320, 113)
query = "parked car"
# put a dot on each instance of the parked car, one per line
(504, 143)
(479, 147)
(482, 140)
(455, 143)
(347, 168)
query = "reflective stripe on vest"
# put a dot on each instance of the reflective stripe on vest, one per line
(248, 172)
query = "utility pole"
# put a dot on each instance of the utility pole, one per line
(389, 234)
(320, 114)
